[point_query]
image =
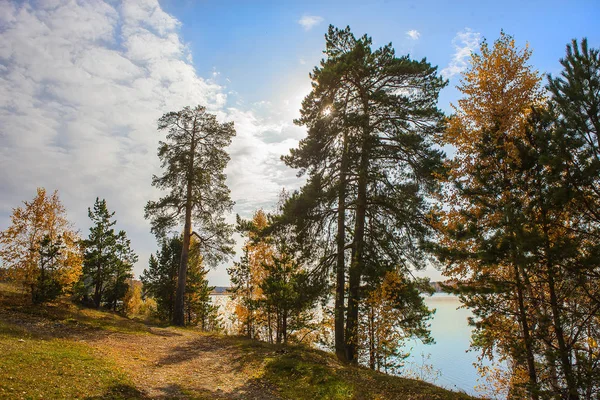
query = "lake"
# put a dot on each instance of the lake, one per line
(448, 356)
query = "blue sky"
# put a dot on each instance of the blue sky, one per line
(260, 46)
(82, 84)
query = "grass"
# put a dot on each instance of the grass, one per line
(36, 368)
(65, 312)
(305, 373)
(298, 379)
(64, 351)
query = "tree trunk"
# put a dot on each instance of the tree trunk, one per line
(531, 370)
(356, 265)
(179, 314)
(558, 329)
(371, 338)
(98, 291)
(284, 326)
(270, 328)
(278, 317)
(340, 344)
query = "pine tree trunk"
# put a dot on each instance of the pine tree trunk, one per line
(340, 288)
(278, 327)
(371, 338)
(98, 291)
(558, 329)
(356, 265)
(270, 328)
(531, 370)
(284, 326)
(179, 314)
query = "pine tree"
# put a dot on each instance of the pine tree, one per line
(194, 159)
(48, 286)
(199, 310)
(108, 258)
(99, 250)
(371, 118)
(160, 283)
(160, 278)
(120, 270)
(287, 292)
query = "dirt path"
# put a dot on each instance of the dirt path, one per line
(162, 363)
(170, 363)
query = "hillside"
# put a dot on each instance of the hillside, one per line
(65, 351)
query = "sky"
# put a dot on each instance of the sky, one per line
(83, 83)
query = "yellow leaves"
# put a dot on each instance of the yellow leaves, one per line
(500, 89)
(20, 242)
(260, 253)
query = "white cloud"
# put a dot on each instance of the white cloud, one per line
(310, 21)
(465, 42)
(413, 34)
(82, 85)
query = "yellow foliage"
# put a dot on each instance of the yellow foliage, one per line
(20, 243)
(500, 90)
(132, 302)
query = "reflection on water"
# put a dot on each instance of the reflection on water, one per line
(452, 334)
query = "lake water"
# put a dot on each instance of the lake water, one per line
(448, 356)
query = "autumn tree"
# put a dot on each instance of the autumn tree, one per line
(40, 248)
(370, 162)
(108, 258)
(194, 160)
(494, 211)
(519, 233)
(242, 294)
(393, 312)
(133, 301)
(248, 274)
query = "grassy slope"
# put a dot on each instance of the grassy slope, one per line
(64, 351)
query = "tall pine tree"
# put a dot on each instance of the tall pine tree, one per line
(194, 160)
(371, 117)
